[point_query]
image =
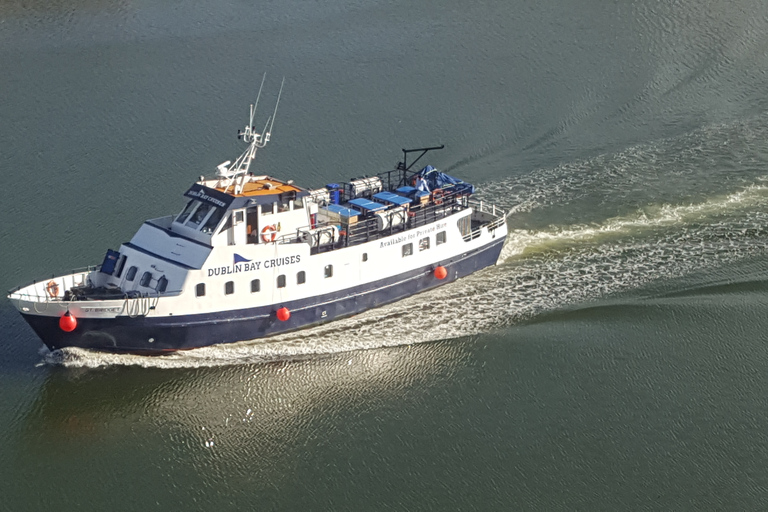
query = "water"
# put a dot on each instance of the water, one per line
(614, 359)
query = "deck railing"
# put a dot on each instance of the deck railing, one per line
(78, 277)
(439, 206)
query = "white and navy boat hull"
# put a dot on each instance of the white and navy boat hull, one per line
(156, 335)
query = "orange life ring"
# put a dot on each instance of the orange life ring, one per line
(269, 233)
(52, 289)
(437, 196)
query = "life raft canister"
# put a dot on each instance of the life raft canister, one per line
(269, 233)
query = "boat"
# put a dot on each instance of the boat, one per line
(251, 256)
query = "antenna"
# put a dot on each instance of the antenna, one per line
(255, 141)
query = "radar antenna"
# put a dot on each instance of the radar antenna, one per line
(256, 141)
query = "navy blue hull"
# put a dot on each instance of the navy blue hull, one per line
(148, 335)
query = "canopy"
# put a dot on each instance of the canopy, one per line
(436, 179)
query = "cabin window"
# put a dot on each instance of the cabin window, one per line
(440, 238)
(200, 290)
(298, 203)
(301, 277)
(281, 281)
(266, 209)
(229, 287)
(120, 265)
(162, 284)
(131, 274)
(187, 210)
(199, 215)
(424, 244)
(329, 271)
(213, 220)
(365, 256)
(146, 278)
(407, 250)
(255, 286)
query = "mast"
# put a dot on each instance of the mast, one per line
(235, 173)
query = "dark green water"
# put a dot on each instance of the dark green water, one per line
(615, 359)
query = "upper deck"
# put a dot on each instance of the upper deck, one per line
(248, 186)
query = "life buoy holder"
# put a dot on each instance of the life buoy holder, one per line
(437, 196)
(52, 289)
(269, 233)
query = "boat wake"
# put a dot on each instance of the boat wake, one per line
(543, 268)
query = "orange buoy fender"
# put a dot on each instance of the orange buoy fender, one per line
(67, 322)
(441, 272)
(283, 314)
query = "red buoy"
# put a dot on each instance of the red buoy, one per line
(283, 314)
(441, 272)
(67, 322)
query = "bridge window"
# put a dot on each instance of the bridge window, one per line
(146, 278)
(281, 281)
(162, 284)
(213, 220)
(200, 290)
(131, 274)
(187, 210)
(199, 215)
(407, 250)
(329, 271)
(301, 277)
(440, 238)
(255, 286)
(229, 287)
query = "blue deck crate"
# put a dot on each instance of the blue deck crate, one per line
(389, 197)
(367, 205)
